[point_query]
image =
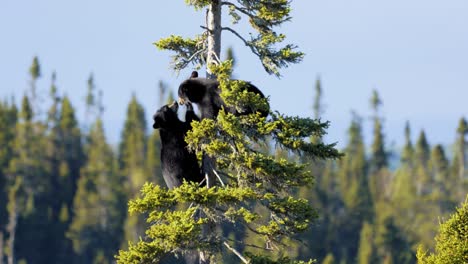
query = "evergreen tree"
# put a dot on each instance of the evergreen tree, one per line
(8, 119)
(408, 150)
(72, 152)
(354, 186)
(458, 183)
(29, 164)
(366, 245)
(403, 185)
(439, 164)
(65, 158)
(93, 101)
(97, 227)
(35, 73)
(422, 150)
(262, 16)
(57, 228)
(132, 160)
(379, 157)
(421, 160)
(247, 177)
(318, 105)
(451, 241)
(391, 242)
(14, 207)
(329, 259)
(153, 162)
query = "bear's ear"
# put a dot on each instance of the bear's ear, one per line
(174, 106)
(158, 121)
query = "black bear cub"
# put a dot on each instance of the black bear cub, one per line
(176, 161)
(205, 93)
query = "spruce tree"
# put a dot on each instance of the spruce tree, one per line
(318, 104)
(421, 160)
(56, 229)
(245, 176)
(329, 259)
(451, 240)
(204, 49)
(132, 161)
(72, 152)
(379, 157)
(29, 163)
(403, 184)
(439, 164)
(408, 150)
(8, 119)
(35, 73)
(366, 245)
(132, 147)
(96, 230)
(354, 186)
(67, 158)
(458, 182)
(391, 243)
(153, 163)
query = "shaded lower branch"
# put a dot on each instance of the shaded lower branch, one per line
(233, 250)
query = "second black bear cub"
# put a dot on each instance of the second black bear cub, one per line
(176, 161)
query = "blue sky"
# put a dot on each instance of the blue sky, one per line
(415, 53)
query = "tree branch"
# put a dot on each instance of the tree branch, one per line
(194, 55)
(243, 39)
(240, 9)
(236, 252)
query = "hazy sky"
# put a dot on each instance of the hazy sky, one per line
(415, 53)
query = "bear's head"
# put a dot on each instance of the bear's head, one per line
(173, 116)
(195, 89)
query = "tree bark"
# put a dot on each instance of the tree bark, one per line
(214, 36)
(12, 233)
(462, 161)
(213, 21)
(1, 247)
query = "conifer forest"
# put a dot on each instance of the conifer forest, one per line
(275, 188)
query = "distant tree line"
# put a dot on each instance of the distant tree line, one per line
(64, 189)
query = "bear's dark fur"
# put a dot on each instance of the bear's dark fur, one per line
(206, 94)
(176, 161)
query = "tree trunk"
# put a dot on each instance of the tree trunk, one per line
(214, 36)
(12, 233)
(1, 247)
(213, 54)
(462, 162)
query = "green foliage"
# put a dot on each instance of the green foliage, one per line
(8, 119)
(187, 50)
(35, 69)
(329, 259)
(366, 251)
(408, 150)
(379, 158)
(98, 204)
(451, 241)
(259, 205)
(133, 161)
(198, 4)
(263, 16)
(247, 177)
